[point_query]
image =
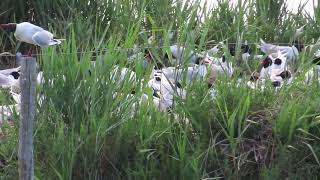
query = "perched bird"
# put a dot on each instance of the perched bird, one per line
(290, 51)
(32, 34)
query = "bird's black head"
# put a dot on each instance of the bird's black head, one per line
(10, 27)
(15, 74)
(266, 62)
(246, 49)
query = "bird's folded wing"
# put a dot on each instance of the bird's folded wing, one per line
(41, 38)
(45, 38)
(267, 48)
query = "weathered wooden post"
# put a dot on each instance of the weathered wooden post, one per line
(27, 114)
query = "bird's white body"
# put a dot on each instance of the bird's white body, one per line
(36, 35)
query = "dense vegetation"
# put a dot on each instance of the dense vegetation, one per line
(82, 131)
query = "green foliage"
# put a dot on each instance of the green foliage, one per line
(90, 127)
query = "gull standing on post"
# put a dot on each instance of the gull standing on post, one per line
(32, 34)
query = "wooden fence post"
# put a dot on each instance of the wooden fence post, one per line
(27, 114)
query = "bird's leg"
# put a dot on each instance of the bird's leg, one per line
(31, 50)
(30, 53)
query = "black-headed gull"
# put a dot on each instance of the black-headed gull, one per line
(275, 69)
(32, 34)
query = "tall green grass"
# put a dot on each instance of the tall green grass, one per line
(90, 127)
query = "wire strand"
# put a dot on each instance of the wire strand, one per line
(9, 54)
